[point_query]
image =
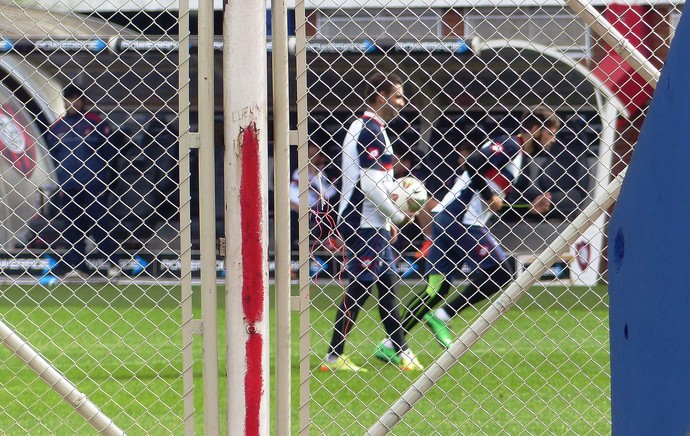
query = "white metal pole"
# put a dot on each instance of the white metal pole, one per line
(616, 40)
(281, 214)
(608, 114)
(497, 309)
(304, 295)
(185, 224)
(81, 404)
(207, 220)
(585, 271)
(246, 217)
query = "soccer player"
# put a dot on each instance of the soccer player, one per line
(460, 232)
(365, 214)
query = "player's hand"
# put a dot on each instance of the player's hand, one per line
(402, 217)
(496, 203)
(411, 215)
(541, 204)
(394, 233)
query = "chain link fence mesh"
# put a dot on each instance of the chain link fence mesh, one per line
(470, 70)
(89, 181)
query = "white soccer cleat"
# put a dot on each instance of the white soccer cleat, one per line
(409, 362)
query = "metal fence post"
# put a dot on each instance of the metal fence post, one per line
(281, 162)
(207, 219)
(186, 293)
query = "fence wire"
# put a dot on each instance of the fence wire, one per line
(469, 73)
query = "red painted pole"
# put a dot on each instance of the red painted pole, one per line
(246, 217)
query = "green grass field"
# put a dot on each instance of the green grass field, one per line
(543, 370)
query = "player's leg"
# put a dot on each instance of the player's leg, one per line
(361, 278)
(483, 284)
(77, 222)
(389, 304)
(389, 349)
(491, 272)
(442, 262)
(69, 212)
(394, 350)
(421, 304)
(354, 298)
(102, 225)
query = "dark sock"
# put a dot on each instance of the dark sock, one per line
(423, 303)
(483, 284)
(389, 305)
(355, 296)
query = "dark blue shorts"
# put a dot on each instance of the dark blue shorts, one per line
(369, 254)
(454, 243)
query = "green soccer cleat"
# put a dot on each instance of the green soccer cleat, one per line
(440, 329)
(342, 363)
(387, 354)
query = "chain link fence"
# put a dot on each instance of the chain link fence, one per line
(469, 72)
(90, 233)
(92, 262)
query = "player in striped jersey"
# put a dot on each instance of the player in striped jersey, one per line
(460, 232)
(365, 215)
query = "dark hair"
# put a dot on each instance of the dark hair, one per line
(314, 145)
(72, 91)
(377, 83)
(540, 116)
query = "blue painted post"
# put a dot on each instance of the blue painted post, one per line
(649, 266)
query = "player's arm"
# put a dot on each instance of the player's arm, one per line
(528, 197)
(477, 164)
(374, 186)
(496, 203)
(374, 178)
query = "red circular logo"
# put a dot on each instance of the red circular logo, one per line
(16, 143)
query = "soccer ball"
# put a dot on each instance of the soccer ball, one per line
(409, 194)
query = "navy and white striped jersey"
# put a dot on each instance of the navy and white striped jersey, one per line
(498, 162)
(366, 147)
